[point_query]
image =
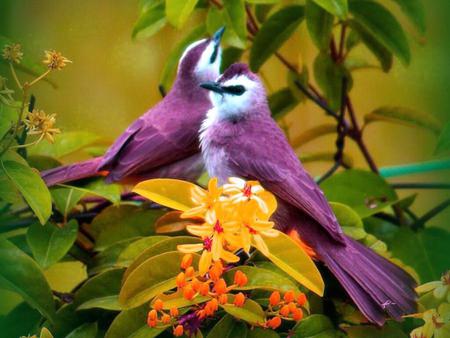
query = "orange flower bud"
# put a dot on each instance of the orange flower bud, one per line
(214, 304)
(180, 280)
(203, 289)
(152, 316)
(165, 319)
(151, 323)
(190, 272)
(158, 305)
(223, 299)
(188, 292)
(284, 311)
(196, 284)
(178, 331)
(292, 306)
(274, 298)
(174, 312)
(239, 299)
(186, 262)
(240, 279)
(220, 287)
(301, 299)
(297, 314)
(211, 307)
(201, 314)
(216, 270)
(289, 296)
(274, 322)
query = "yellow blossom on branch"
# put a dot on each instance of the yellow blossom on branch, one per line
(55, 60)
(12, 53)
(39, 123)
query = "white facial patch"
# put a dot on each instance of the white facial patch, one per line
(230, 106)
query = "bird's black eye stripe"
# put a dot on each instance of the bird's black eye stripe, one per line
(214, 54)
(234, 90)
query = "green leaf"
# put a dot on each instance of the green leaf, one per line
(45, 333)
(132, 324)
(156, 275)
(443, 144)
(177, 300)
(217, 18)
(178, 11)
(31, 186)
(65, 144)
(236, 18)
(20, 321)
(261, 279)
(289, 257)
(43, 162)
(136, 248)
(426, 251)
(49, 243)
(273, 33)
(98, 187)
(383, 55)
(282, 102)
(170, 66)
(106, 303)
(116, 223)
(8, 118)
(88, 330)
(101, 286)
(263, 1)
(259, 332)
(251, 312)
(313, 133)
(365, 192)
(349, 220)
(151, 20)
(169, 244)
(230, 55)
(415, 11)
(383, 26)
(228, 327)
(66, 198)
(319, 23)
(21, 274)
(315, 326)
(366, 331)
(406, 116)
(338, 8)
(107, 258)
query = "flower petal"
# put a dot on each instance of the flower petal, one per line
(261, 245)
(229, 257)
(200, 230)
(190, 248)
(205, 262)
(216, 248)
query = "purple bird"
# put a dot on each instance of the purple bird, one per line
(164, 141)
(239, 138)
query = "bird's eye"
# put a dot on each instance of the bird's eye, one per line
(235, 90)
(214, 54)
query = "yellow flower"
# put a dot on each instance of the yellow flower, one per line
(13, 53)
(440, 288)
(205, 199)
(240, 191)
(39, 123)
(437, 323)
(55, 60)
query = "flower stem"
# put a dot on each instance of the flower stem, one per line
(39, 78)
(14, 75)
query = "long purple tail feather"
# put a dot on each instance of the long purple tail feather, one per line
(71, 172)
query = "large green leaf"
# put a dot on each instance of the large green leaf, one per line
(228, 327)
(169, 244)
(251, 312)
(217, 18)
(132, 324)
(315, 326)
(31, 186)
(282, 102)
(98, 187)
(106, 303)
(20, 321)
(168, 72)
(66, 198)
(383, 25)
(406, 116)
(426, 251)
(107, 258)
(293, 260)
(176, 299)
(364, 191)
(273, 33)
(117, 223)
(21, 274)
(151, 20)
(156, 275)
(443, 144)
(261, 279)
(383, 55)
(319, 23)
(88, 330)
(338, 8)
(415, 11)
(236, 17)
(178, 11)
(49, 243)
(349, 220)
(368, 331)
(8, 117)
(65, 144)
(133, 250)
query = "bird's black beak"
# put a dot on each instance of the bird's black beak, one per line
(213, 86)
(218, 35)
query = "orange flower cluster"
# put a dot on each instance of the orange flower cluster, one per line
(289, 307)
(157, 316)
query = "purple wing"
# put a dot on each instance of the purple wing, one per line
(262, 153)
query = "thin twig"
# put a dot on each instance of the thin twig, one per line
(316, 100)
(431, 214)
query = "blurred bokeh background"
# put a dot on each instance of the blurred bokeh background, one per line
(114, 79)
